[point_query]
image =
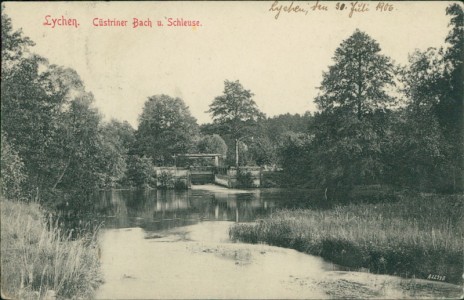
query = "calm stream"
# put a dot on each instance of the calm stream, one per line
(168, 244)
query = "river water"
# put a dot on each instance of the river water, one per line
(175, 245)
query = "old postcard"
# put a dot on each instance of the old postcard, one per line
(232, 150)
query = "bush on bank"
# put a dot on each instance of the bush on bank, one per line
(419, 236)
(38, 259)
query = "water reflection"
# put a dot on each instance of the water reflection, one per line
(163, 209)
(186, 267)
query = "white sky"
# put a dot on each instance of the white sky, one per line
(280, 61)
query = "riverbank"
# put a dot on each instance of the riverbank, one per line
(200, 262)
(418, 236)
(40, 261)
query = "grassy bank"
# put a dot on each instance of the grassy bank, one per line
(416, 236)
(39, 261)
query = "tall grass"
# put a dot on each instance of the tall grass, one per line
(38, 260)
(417, 236)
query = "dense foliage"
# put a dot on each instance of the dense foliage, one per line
(367, 132)
(212, 144)
(235, 111)
(56, 148)
(378, 123)
(166, 128)
(358, 80)
(235, 116)
(48, 124)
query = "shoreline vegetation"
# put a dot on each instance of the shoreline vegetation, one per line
(417, 236)
(377, 123)
(40, 261)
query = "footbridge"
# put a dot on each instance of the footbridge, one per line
(203, 169)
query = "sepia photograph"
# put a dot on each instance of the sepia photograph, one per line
(232, 150)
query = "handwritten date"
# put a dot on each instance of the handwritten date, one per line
(352, 8)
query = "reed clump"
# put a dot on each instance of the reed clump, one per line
(416, 236)
(38, 260)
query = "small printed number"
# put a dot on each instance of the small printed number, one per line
(436, 277)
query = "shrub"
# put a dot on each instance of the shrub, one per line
(140, 171)
(180, 184)
(244, 179)
(166, 180)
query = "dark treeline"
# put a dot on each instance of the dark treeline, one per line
(384, 124)
(54, 143)
(378, 123)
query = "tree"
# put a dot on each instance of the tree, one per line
(140, 171)
(350, 130)
(415, 150)
(347, 150)
(166, 128)
(123, 132)
(212, 144)
(81, 146)
(235, 112)
(263, 151)
(32, 105)
(54, 146)
(433, 87)
(358, 79)
(451, 109)
(294, 153)
(115, 140)
(424, 85)
(454, 57)
(267, 148)
(276, 126)
(14, 44)
(49, 121)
